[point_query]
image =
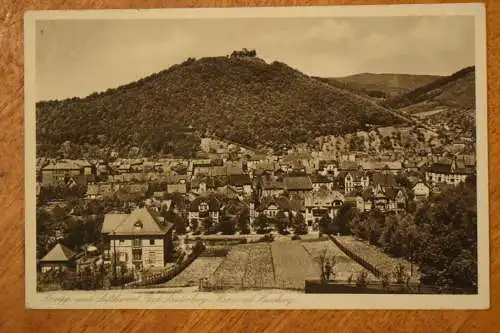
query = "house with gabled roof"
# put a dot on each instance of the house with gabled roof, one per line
(356, 180)
(62, 173)
(449, 171)
(321, 181)
(269, 186)
(321, 202)
(297, 185)
(241, 182)
(421, 191)
(58, 258)
(140, 240)
(271, 206)
(203, 207)
(389, 199)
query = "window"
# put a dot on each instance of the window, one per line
(152, 257)
(138, 225)
(137, 255)
(122, 241)
(136, 242)
(151, 242)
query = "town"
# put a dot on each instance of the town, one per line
(234, 216)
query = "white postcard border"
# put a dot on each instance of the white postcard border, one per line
(134, 299)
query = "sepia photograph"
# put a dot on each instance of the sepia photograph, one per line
(315, 157)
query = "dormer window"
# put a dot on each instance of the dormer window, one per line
(138, 225)
(203, 207)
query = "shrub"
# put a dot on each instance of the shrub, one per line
(296, 237)
(266, 238)
(361, 281)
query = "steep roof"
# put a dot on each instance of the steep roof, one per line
(269, 182)
(384, 179)
(81, 163)
(239, 180)
(300, 183)
(282, 202)
(381, 165)
(320, 179)
(59, 253)
(356, 175)
(181, 188)
(62, 165)
(348, 165)
(214, 204)
(140, 221)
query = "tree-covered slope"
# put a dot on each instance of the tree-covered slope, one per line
(240, 98)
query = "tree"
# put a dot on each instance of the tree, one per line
(445, 238)
(227, 225)
(208, 225)
(281, 223)
(244, 221)
(347, 220)
(179, 222)
(326, 264)
(299, 225)
(262, 224)
(326, 226)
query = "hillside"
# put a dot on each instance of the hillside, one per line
(454, 91)
(368, 94)
(239, 98)
(449, 99)
(386, 85)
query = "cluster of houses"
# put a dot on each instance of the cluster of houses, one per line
(265, 185)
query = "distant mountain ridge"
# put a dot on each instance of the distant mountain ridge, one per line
(387, 83)
(242, 99)
(453, 91)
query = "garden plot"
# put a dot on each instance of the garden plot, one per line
(375, 256)
(259, 272)
(344, 267)
(292, 265)
(232, 269)
(202, 267)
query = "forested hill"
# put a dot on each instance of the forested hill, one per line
(239, 98)
(454, 91)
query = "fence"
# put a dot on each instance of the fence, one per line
(339, 287)
(375, 271)
(222, 284)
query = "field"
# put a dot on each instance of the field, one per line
(372, 254)
(283, 265)
(344, 267)
(293, 265)
(202, 267)
(232, 270)
(259, 270)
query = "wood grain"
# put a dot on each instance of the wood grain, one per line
(15, 318)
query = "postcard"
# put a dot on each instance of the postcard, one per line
(323, 157)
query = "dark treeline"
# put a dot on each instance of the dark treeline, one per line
(440, 236)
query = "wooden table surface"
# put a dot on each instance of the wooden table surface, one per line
(15, 318)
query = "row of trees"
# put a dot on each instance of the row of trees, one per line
(281, 223)
(440, 237)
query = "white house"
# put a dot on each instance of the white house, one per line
(421, 191)
(140, 239)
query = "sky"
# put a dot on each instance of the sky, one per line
(79, 57)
